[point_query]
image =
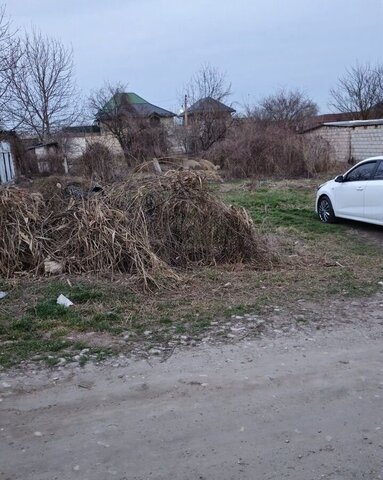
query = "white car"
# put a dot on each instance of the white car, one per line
(356, 195)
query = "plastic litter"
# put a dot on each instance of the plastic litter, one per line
(3, 295)
(52, 267)
(63, 300)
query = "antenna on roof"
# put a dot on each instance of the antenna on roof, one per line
(186, 111)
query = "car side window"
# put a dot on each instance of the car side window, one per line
(379, 172)
(363, 172)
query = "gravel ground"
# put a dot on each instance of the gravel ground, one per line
(300, 398)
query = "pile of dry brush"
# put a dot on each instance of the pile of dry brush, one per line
(150, 229)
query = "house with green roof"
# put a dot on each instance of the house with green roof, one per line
(132, 105)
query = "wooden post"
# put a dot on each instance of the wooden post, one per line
(157, 166)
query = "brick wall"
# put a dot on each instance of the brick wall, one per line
(352, 144)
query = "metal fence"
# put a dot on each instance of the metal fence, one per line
(7, 167)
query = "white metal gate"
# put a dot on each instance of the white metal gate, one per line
(7, 167)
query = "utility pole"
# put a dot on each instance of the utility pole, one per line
(186, 111)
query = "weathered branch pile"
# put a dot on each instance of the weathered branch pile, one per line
(145, 228)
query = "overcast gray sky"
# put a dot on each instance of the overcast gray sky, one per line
(156, 45)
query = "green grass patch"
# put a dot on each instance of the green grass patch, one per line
(284, 207)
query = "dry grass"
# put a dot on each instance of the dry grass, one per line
(145, 228)
(20, 226)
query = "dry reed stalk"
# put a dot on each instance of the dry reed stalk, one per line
(20, 231)
(146, 228)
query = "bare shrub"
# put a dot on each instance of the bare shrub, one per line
(148, 141)
(97, 162)
(253, 149)
(287, 108)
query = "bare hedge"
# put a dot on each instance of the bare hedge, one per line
(252, 149)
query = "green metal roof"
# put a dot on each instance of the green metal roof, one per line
(132, 101)
(133, 98)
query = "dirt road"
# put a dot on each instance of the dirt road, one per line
(307, 406)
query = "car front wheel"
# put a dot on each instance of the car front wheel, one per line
(325, 210)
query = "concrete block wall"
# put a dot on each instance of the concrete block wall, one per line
(366, 142)
(352, 143)
(338, 139)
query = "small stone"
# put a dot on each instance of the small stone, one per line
(287, 441)
(155, 351)
(76, 468)
(147, 333)
(102, 444)
(37, 434)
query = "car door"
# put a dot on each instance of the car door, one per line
(373, 196)
(349, 194)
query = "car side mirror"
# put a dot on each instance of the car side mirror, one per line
(339, 179)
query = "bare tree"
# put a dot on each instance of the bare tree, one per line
(9, 56)
(359, 91)
(43, 97)
(138, 136)
(288, 108)
(206, 119)
(208, 81)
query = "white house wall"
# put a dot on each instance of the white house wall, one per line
(76, 146)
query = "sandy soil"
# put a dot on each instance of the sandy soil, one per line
(304, 405)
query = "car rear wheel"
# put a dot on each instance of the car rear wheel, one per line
(325, 210)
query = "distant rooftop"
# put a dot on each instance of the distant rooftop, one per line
(345, 123)
(134, 104)
(354, 123)
(208, 104)
(82, 129)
